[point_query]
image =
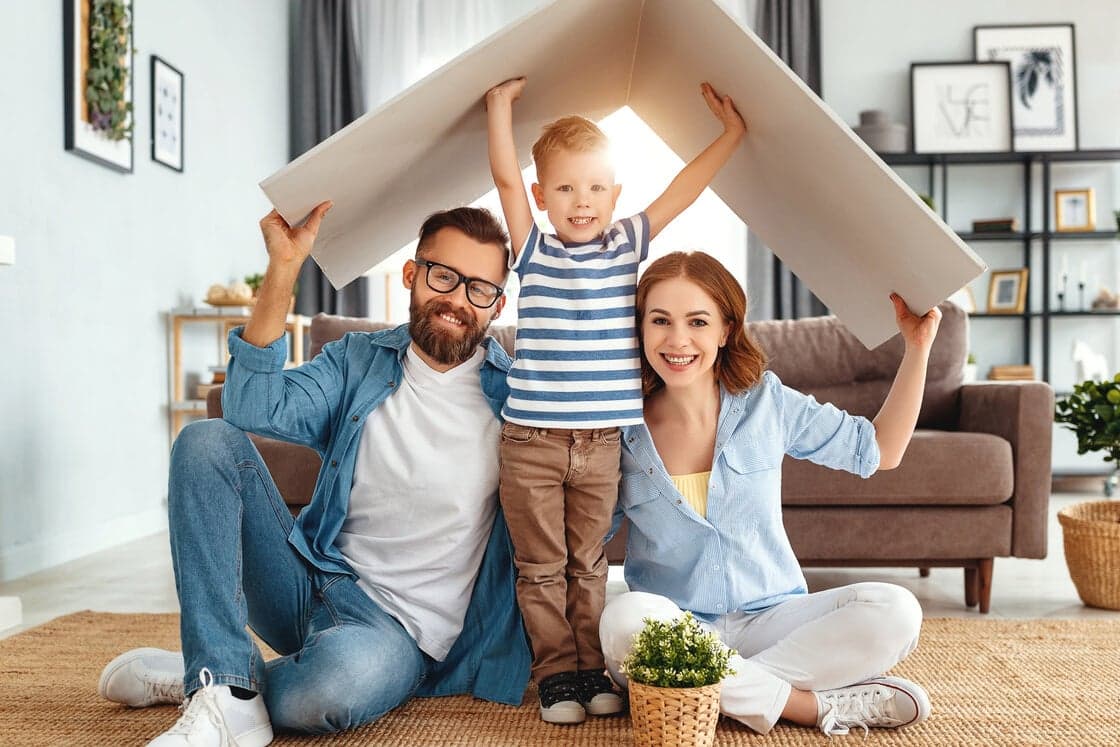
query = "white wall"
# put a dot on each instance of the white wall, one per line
(100, 256)
(867, 47)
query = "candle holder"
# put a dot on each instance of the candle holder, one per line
(1081, 295)
(1061, 301)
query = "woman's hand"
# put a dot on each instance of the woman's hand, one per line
(917, 331)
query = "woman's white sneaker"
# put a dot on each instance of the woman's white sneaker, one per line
(143, 677)
(215, 718)
(885, 702)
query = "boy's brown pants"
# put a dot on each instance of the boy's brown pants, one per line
(558, 491)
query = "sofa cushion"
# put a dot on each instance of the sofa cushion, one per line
(941, 468)
(819, 356)
(885, 534)
(328, 328)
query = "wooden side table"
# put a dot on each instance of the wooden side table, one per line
(180, 405)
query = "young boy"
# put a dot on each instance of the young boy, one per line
(575, 380)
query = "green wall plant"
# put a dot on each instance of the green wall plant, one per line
(107, 79)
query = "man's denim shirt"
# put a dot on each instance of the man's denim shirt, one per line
(323, 404)
(738, 557)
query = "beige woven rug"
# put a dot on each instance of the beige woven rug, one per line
(992, 682)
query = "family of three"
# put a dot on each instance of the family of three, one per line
(454, 541)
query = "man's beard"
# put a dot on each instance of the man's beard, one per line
(443, 345)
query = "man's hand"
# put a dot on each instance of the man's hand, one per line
(287, 245)
(917, 331)
(724, 109)
(509, 90)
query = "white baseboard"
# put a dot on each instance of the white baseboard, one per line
(63, 547)
(11, 612)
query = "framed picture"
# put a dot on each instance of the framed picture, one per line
(97, 81)
(167, 114)
(1044, 79)
(960, 107)
(1074, 210)
(1007, 292)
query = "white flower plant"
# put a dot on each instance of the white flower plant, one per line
(677, 653)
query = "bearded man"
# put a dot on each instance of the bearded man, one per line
(397, 579)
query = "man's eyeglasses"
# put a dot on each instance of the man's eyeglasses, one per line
(442, 279)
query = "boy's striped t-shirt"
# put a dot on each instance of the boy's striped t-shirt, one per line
(576, 363)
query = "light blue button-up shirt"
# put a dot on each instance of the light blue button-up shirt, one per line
(324, 404)
(738, 557)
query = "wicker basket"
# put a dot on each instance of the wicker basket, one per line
(1091, 534)
(674, 716)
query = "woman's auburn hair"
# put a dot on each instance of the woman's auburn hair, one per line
(741, 362)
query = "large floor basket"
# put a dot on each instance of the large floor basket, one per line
(677, 716)
(1091, 536)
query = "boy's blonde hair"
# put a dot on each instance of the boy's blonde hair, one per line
(572, 133)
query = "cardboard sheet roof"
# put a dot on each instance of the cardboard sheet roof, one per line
(813, 191)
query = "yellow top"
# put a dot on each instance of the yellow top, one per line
(694, 488)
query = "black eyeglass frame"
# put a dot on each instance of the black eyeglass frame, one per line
(463, 280)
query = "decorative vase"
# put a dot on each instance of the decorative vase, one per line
(884, 136)
(665, 716)
(969, 373)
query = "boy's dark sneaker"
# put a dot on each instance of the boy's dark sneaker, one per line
(560, 698)
(599, 696)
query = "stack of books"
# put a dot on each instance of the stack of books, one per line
(995, 225)
(1023, 372)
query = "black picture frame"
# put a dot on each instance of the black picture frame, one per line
(168, 88)
(80, 137)
(961, 107)
(1043, 59)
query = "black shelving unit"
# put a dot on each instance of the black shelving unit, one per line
(1027, 238)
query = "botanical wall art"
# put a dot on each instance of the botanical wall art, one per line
(1044, 81)
(98, 72)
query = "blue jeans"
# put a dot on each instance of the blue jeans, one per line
(343, 660)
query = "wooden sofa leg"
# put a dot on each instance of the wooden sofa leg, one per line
(923, 572)
(985, 584)
(971, 586)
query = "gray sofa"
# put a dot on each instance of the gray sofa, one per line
(974, 484)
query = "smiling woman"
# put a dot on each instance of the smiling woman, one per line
(701, 486)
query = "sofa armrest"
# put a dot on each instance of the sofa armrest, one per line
(214, 402)
(294, 468)
(1023, 413)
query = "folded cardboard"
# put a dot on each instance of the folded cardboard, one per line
(813, 191)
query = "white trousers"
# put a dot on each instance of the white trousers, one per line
(820, 641)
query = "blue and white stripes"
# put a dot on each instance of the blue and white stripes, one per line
(577, 360)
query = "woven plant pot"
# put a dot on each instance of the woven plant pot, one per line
(1091, 535)
(674, 716)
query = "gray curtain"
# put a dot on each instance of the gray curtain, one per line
(327, 93)
(792, 29)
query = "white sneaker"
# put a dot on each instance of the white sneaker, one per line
(143, 677)
(213, 717)
(890, 702)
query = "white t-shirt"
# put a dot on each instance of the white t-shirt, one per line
(424, 497)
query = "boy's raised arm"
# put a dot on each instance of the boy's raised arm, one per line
(503, 161)
(698, 174)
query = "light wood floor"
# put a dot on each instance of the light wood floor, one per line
(137, 578)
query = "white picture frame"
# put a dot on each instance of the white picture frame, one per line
(961, 107)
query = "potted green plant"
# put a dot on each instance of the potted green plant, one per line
(675, 670)
(1092, 412)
